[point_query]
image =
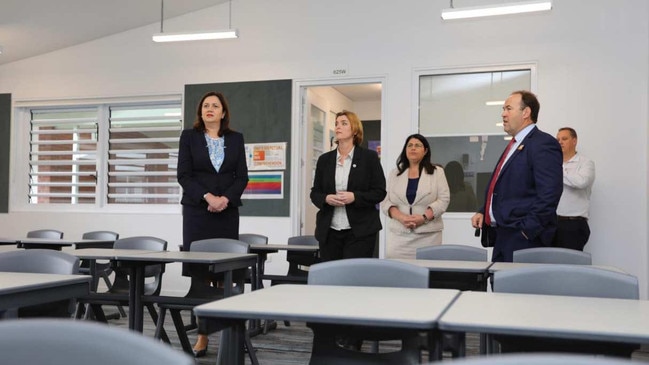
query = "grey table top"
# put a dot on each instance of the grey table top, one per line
(347, 305)
(616, 320)
(498, 266)
(20, 289)
(275, 248)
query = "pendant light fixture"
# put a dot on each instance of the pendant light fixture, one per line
(195, 36)
(495, 9)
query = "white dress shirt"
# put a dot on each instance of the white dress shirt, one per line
(339, 220)
(519, 137)
(578, 178)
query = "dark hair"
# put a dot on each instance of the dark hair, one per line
(528, 99)
(572, 132)
(355, 123)
(454, 176)
(224, 128)
(403, 163)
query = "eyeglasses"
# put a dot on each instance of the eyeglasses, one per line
(415, 145)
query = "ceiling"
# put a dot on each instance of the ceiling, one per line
(30, 28)
(33, 27)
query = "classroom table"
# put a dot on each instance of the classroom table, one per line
(25, 289)
(135, 262)
(373, 307)
(549, 316)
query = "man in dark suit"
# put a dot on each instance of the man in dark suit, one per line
(525, 188)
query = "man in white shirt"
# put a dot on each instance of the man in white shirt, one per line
(578, 177)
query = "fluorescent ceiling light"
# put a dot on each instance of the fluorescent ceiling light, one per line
(497, 9)
(197, 36)
(494, 103)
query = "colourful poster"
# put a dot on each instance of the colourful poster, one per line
(264, 185)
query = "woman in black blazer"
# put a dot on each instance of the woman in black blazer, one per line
(213, 174)
(348, 184)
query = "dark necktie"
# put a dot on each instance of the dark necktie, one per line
(494, 178)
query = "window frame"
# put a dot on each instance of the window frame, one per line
(20, 158)
(416, 77)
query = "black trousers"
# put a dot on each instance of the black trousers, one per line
(345, 245)
(572, 233)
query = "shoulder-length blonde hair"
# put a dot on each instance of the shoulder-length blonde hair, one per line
(355, 123)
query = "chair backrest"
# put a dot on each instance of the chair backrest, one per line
(306, 240)
(69, 342)
(45, 233)
(150, 271)
(368, 272)
(253, 238)
(451, 252)
(141, 243)
(100, 235)
(552, 255)
(39, 261)
(297, 258)
(227, 245)
(568, 280)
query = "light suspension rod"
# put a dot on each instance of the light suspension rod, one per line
(496, 9)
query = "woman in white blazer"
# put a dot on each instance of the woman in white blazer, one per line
(417, 197)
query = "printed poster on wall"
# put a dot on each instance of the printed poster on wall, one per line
(266, 156)
(264, 185)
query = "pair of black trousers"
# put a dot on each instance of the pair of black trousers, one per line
(345, 245)
(572, 232)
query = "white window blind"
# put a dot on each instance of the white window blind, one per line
(143, 154)
(63, 156)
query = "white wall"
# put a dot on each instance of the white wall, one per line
(592, 58)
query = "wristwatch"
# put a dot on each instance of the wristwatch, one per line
(425, 218)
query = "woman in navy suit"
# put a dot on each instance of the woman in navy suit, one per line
(213, 174)
(348, 185)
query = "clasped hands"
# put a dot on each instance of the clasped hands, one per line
(216, 204)
(411, 221)
(340, 199)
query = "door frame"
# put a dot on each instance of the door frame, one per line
(299, 192)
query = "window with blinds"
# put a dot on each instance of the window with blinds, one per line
(109, 154)
(63, 156)
(143, 154)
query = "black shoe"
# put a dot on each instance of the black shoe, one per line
(200, 353)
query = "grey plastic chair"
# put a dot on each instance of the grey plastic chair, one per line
(365, 272)
(567, 280)
(118, 292)
(66, 342)
(253, 238)
(453, 342)
(102, 269)
(298, 261)
(552, 255)
(201, 292)
(45, 262)
(451, 252)
(45, 233)
(540, 359)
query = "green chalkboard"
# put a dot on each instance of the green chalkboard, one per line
(5, 140)
(261, 110)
